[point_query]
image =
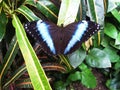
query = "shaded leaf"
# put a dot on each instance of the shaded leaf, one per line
(116, 14)
(3, 22)
(9, 57)
(117, 40)
(74, 76)
(77, 57)
(112, 53)
(19, 72)
(114, 84)
(110, 30)
(98, 58)
(48, 9)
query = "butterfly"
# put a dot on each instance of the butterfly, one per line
(61, 40)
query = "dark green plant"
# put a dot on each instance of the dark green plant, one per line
(103, 53)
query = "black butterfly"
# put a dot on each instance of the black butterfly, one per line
(61, 40)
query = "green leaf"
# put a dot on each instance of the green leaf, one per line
(77, 57)
(27, 13)
(98, 58)
(96, 10)
(117, 65)
(87, 76)
(74, 76)
(116, 14)
(66, 15)
(35, 70)
(114, 84)
(112, 43)
(112, 53)
(19, 72)
(110, 30)
(48, 9)
(111, 5)
(3, 22)
(106, 41)
(117, 40)
(59, 85)
(9, 57)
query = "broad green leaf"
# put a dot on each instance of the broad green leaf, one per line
(111, 5)
(27, 13)
(114, 84)
(116, 14)
(117, 40)
(68, 12)
(106, 41)
(3, 22)
(9, 57)
(112, 53)
(87, 76)
(110, 30)
(74, 76)
(77, 57)
(34, 68)
(98, 58)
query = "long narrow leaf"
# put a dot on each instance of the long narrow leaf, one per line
(15, 76)
(35, 70)
(27, 13)
(9, 57)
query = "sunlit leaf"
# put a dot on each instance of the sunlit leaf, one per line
(66, 14)
(27, 13)
(37, 75)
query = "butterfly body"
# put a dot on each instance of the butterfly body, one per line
(61, 40)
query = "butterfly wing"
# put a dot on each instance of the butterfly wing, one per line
(43, 31)
(79, 33)
(61, 40)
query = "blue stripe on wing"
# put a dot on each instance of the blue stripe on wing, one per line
(81, 28)
(44, 32)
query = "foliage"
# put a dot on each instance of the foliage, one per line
(17, 57)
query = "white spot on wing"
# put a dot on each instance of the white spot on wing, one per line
(77, 35)
(43, 30)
